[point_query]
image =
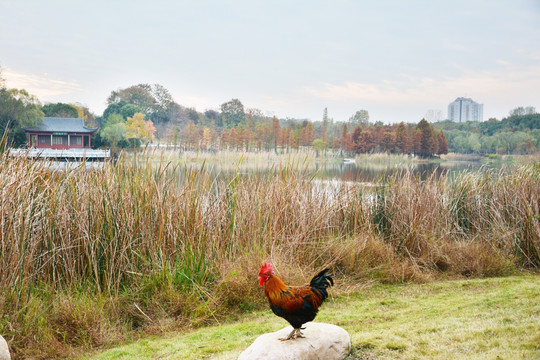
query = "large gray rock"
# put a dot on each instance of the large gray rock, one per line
(4, 350)
(321, 341)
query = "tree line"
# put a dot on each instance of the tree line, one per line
(290, 134)
(518, 133)
(147, 113)
(235, 127)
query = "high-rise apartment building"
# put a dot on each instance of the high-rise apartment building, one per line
(465, 109)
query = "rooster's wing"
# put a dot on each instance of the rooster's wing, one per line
(294, 298)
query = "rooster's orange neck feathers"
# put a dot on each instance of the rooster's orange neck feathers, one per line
(273, 287)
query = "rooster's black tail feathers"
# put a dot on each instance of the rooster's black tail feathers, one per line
(320, 282)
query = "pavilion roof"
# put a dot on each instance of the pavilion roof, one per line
(56, 124)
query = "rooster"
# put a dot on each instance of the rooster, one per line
(296, 304)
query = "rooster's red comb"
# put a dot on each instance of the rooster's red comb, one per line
(266, 268)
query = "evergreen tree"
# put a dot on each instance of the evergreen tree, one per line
(233, 113)
(18, 109)
(60, 110)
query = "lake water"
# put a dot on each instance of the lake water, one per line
(331, 170)
(370, 173)
(354, 172)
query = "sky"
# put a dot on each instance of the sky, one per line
(397, 59)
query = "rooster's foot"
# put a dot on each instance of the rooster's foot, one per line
(296, 333)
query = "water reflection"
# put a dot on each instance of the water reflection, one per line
(370, 173)
(364, 173)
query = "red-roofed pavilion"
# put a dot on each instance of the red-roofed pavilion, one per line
(60, 133)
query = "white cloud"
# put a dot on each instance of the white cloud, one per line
(511, 84)
(43, 86)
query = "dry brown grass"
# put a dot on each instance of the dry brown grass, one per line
(137, 246)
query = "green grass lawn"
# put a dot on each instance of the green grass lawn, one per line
(496, 318)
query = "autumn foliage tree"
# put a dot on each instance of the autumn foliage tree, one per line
(387, 142)
(307, 134)
(365, 142)
(362, 140)
(137, 128)
(428, 139)
(401, 138)
(443, 143)
(276, 131)
(150, 130)
(403, 143)
(346, 141)
(250, 130)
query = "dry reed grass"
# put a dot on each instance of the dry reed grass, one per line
(160, 247)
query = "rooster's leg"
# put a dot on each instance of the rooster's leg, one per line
(292, 335)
